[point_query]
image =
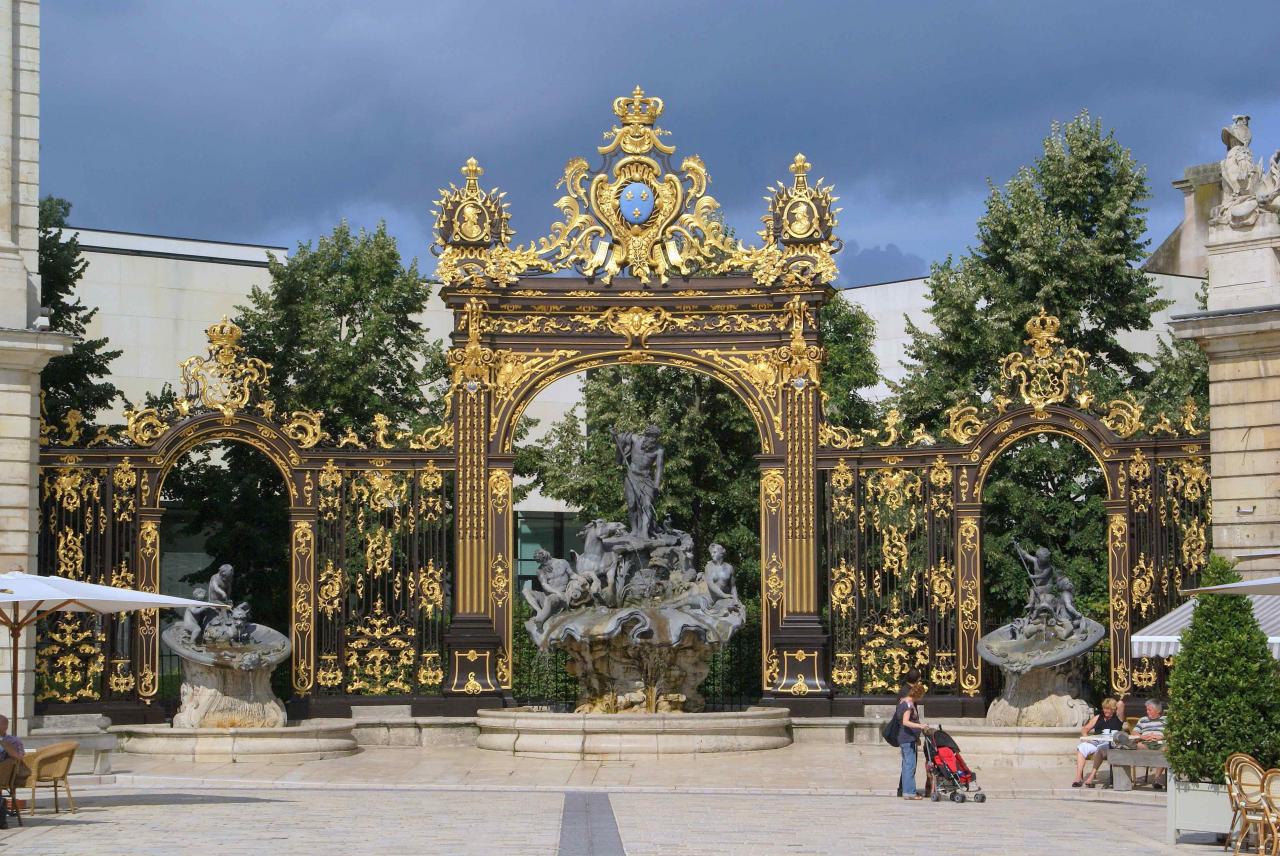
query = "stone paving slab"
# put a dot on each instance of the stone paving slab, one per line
(293, 823)
(311, 822)
(460, 800)
(843, 770)
(877, 826)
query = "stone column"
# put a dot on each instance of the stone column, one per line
(1240, 332)
(23, 351)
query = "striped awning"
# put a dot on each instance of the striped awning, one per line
(1163, 637)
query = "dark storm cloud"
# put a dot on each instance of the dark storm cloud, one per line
(268, 122)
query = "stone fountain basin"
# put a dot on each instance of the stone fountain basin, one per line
(307, 741)
(622, 736)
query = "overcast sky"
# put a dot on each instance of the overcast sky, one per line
(268, 121)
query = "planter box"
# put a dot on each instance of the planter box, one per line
(1197, 807)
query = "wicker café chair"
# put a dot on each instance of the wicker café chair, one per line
(49, 766)
(1253, 818)
(1271, 810)
(9, 771)
(1231, 767)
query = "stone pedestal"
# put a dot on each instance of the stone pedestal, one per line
(220, 697)
(596, 736)
(1039, 698)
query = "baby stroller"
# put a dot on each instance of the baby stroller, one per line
(951, 775)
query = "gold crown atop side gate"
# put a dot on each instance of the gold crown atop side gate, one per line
(223, 334)
(637, 110)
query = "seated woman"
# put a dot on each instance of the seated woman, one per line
(1109, 721)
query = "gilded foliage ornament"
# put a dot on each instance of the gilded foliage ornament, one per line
(1046, 375)
(226, 379)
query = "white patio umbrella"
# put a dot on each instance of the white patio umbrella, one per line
(26, 598)
(1268, 585)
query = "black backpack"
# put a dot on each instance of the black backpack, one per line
(889, 731)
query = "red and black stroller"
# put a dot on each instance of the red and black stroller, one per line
(951, 775)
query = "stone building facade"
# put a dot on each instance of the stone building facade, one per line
(24, 346)
(1240, 331)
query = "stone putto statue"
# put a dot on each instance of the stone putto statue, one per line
(1038, 651)
(226, 662)
(637, 619)
(1247, 191)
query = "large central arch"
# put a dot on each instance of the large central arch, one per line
(762, 345)
(696, 298)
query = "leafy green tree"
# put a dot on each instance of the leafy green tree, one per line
(339, 326)
(1223, 686)
(1066, 234)
(1180, 371)
(76, 381)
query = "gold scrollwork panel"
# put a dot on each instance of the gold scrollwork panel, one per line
(302, 605)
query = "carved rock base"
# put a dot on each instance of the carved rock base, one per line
(216, 696)
(619, 674)
(1040, 698)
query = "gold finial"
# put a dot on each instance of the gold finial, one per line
(223, 334)
(471, 170)
(637, 110)
(800, 168)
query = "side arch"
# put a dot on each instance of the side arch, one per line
(211, 427)
(998, 436)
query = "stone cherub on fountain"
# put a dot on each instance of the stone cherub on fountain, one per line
(1035, 651)
(638, 620)
(226, 662)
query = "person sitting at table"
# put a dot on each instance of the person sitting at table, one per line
(1148, 734)
(11, 747)
(1105, 722)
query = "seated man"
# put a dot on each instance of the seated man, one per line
(1147, 734)
(10, 747)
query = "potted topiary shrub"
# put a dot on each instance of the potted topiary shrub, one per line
(1223, 692)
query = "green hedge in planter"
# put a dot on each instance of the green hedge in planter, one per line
(1224, 689)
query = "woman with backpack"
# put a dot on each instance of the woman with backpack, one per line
(909, 728)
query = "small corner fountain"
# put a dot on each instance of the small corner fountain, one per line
(1037, 653)
(228, 709)
(640, 625)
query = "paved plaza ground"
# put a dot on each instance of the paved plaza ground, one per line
(800, 800)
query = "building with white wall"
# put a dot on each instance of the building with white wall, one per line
(890, 304)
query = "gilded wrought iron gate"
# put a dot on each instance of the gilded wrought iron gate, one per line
(369, 537)
(904, 524)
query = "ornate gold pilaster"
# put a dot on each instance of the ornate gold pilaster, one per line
(1118, 572)
(501, 568)
(796, 652)
(478, 649)
(148, 552)
(302, 604)
(801, 544)
(969, 596)
(773, 494)
(473, 503)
